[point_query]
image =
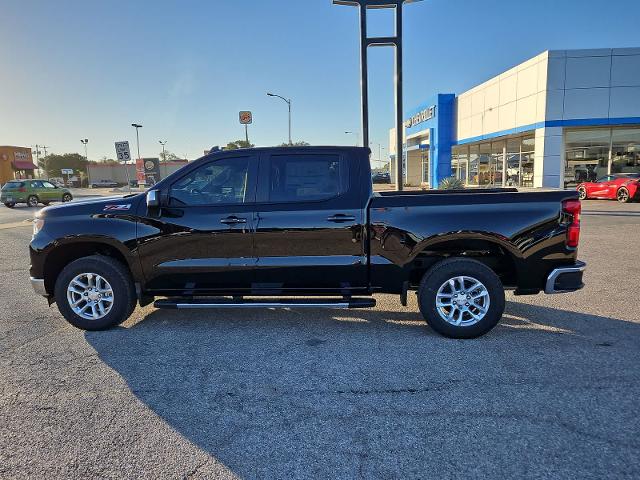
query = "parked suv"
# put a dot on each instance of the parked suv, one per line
(33, 192)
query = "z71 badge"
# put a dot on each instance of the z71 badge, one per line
(109, 208)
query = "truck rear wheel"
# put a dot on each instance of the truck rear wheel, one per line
(461, 298)
(95, 293)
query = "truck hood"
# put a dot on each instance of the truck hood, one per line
(114, 204)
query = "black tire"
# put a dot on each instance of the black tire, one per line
(582, 193)
(115, 273)
(67, 197)
(438, 275)
(9, 205)
(623, 195)
(32, 201)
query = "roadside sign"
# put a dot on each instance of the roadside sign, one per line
(122, 151)
(246, 118)
(67, 171)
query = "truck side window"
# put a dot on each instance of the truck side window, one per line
(300, 178)
(216, 183)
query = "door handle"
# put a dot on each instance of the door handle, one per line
(341, 217)
(233, 220)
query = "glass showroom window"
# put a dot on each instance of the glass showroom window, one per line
(514, 173)
(459, 162)
(474, 164)
(527, 154)
(625, 150)
(586, 155)
(484, 166)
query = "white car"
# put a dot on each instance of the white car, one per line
(104, 184)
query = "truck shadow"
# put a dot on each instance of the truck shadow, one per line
(325, 393)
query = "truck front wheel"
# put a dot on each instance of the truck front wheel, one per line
(95, 293)
(461, 298)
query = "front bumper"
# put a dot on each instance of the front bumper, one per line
(38, 286)
(565, 279)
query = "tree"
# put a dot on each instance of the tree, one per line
(168, 156)
(238, 144)
(55, 163)
(299, 143)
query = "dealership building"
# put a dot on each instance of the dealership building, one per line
(557, 119)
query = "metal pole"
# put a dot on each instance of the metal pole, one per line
(289, 104)
(399, 113)
(364, 83)
(246, 133)
(164, 157)
(138, 141)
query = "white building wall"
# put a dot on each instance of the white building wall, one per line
(548, 163)
(565, 85)
(513, 99)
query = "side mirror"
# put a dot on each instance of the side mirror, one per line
(153, 199)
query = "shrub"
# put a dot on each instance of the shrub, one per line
(451, 183)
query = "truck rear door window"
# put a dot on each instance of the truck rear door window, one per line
(301, 178)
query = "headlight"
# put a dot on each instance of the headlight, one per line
(38, 223)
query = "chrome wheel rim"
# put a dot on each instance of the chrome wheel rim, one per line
(623, 195)
(90, 296)
(33, 202)
(462, 301)
(66, 198)
(582, 193)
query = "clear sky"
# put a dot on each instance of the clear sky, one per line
(74, 69)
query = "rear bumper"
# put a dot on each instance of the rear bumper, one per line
(38, 286)
(565, 279)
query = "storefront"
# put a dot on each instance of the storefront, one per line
(16, 162)
(557, 119)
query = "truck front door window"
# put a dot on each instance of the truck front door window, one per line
(218, 183)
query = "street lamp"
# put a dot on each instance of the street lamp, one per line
(289, 104)
(164, 156)
(390, 41)
(137, 126)
(85, 141)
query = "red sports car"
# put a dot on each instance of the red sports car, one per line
(624, 187)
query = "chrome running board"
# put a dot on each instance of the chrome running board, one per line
(181, 303)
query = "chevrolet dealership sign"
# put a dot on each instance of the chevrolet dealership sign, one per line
(422, 116)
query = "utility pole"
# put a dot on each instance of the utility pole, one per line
(164, 156)
(85, 141)
(44, 147)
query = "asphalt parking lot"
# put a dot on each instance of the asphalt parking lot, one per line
(552, 392)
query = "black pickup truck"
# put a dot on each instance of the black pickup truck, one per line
(265, 227)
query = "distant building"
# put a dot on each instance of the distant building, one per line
(16, 162)
(117, 173)
(557, 119)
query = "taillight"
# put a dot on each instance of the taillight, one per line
(573, 208)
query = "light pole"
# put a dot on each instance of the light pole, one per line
(137, 126)
(289, 105)
(85, 141)
(354, 134)
(390, 41)
(164, 156)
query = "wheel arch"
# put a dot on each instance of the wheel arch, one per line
(499, 256)
(63, 254)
